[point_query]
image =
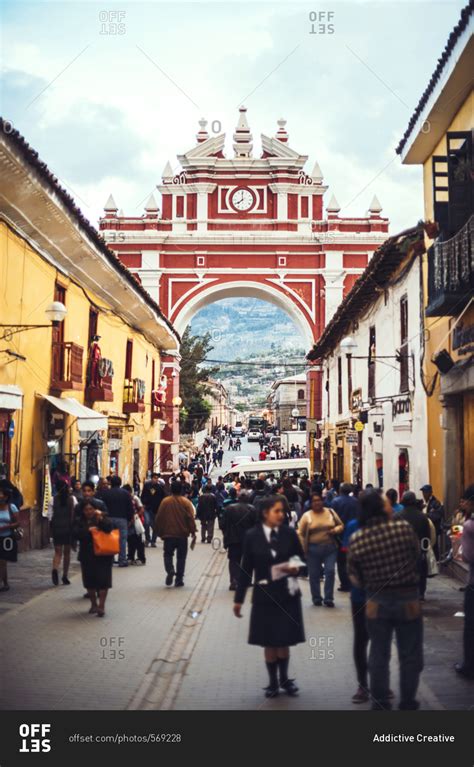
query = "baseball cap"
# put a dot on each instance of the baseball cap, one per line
(426, 489)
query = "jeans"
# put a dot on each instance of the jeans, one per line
(170, 545)
(469, 628)
(342, 570)
(149, 522)
(122, 525)
(207, 529)
(400, 612)
(234, 554)
(136, 546)
(361, 642)
(322, 554)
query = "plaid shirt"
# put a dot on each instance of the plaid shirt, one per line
(384, 555)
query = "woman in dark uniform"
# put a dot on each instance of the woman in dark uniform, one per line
(96, 571)
(276, 620)
(62, 515)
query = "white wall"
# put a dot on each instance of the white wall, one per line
(401, 431)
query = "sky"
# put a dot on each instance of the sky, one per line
(106, 106)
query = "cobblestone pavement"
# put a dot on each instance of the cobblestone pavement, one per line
(167, 648)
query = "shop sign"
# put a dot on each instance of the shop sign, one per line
(356, 399)
(352, 437)
(359, 426)
(463, 338)
(402, 406)
(114, 444)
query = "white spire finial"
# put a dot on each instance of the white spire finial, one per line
(317, 174)
(202, 134)
(110, 205)
(151, 206)
(375, 206)
(281, 133)
(333, 206)
(242, 137)
(167, 174)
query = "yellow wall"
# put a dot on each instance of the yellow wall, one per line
(438, 327)
(27, 283)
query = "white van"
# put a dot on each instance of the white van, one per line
(299, 466)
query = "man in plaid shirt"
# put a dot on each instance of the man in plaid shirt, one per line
(383, 560)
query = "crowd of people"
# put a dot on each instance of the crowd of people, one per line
(275, 529)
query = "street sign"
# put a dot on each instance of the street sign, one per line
(352, 438)
(359, 426)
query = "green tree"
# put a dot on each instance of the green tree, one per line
(194, 381)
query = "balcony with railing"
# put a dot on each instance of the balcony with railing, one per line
(66, 367)
(134, 395)
(451, 273)
(100, 380)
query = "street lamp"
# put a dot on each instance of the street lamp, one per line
(55, 313)
(177, 401)
(348, 345)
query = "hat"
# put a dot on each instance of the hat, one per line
(409, 498)
(468, 494)
(426, 489)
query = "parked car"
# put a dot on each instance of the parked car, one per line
(254, 436)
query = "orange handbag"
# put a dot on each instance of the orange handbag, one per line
(105, 544)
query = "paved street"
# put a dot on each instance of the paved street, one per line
(167, 648)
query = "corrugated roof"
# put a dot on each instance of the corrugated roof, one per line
(442, 61)
(32, 158)
(383, 265)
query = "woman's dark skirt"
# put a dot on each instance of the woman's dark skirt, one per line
(277, 624)
(97, 573)
(8, 548)
(62, 539)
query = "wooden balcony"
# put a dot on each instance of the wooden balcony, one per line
(134, 396)
(102, 393)
(66, 367)
(451, 273)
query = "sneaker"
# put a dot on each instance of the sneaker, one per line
(328, 603)
(169, 579)
(317, 602)
(179, 583)
(123, 564)
(361, 696)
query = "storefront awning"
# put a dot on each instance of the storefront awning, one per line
(164, 442)
(11, 397)
(87, 419)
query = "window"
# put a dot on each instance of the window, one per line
(301, 393)
(349, 381)
(128, 360)
(304, 207)
(339, 384)
(404, 344)
(372, 353)
(93, 318)
(180, 207)
(453, 184)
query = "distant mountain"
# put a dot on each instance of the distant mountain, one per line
(246, 326)
(246, 330)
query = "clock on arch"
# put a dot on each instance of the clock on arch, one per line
(242, 199)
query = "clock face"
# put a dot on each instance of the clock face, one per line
(242, 199)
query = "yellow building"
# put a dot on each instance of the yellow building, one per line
(440, 138)
(90, 390)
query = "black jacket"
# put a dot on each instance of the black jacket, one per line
(82, 533)
(152, 495)
(206, 507)
(118, 502)
(435, 512)
(238, 518)
(417, 520)
(257, 561)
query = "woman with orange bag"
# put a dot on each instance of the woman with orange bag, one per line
(96, 569)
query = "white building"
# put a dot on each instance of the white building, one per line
(372, 353)
(288, 395)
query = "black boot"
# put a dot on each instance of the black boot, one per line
(288, 685)
(272, 690)
(55, 577)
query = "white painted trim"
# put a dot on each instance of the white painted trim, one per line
(241, 288)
